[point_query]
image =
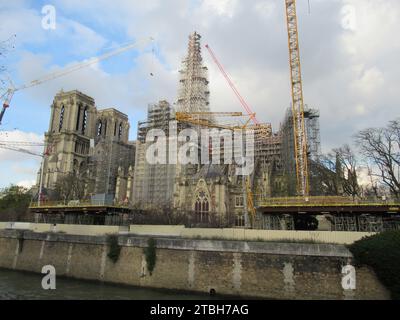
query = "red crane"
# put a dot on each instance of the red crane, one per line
(231, 84)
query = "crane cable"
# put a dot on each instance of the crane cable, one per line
(8, 95)
(79, 66)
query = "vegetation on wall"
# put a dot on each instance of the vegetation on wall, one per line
(382, 253)
(150, 254)
(114, 248)
(20, 237)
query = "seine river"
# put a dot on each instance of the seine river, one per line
(27, 286)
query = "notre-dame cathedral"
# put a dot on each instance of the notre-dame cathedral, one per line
(89, 144)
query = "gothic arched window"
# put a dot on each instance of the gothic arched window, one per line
(105, 128)
(120, 131)
(75, 166)
(99, 128)
(202, 207)
(85, 120)
(62, 111)
(78, 117)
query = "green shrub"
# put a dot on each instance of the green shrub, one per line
(115, 248)
(150, 254)
(14, 203)
(382, 253)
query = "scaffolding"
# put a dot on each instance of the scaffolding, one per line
(344, 222)
(193, 92)
(312, 128)
(154, 183)
(361, 223)
(277, 222)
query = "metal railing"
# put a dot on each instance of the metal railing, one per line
(322, 201)
(76, 204)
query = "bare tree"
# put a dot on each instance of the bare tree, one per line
(348, 167)
(381, 148)
(323, 175)
(70, 187)
(336, 172)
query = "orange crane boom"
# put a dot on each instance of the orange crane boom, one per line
(299, 131)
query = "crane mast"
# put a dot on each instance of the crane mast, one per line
(299, 131)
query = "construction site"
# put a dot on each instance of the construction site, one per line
(92, 174)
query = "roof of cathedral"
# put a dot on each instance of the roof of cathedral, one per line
(210, 171)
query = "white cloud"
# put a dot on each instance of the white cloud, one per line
(127, 92)
(265, 9)
(6, 137)
(18, 167)
(27, 183)
(370, 81)
(78, 38)
(220, 7)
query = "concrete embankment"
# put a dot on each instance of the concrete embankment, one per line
(244, 268)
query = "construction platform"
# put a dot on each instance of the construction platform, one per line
(81, 207)
(336, 213)
(77, 212)
(324, 205)
(340, 213)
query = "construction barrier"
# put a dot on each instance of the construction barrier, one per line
(334, 237)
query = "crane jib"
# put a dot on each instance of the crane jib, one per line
(10, 92)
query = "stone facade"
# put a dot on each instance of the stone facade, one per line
(213, 194)
(90, 144)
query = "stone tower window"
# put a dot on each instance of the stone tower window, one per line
(239, 220)
(115, 128)
(99, 128)
(120, 131)
(61, 118)
(75, 166)
(105, 127)
(85, 120)
(239, 201)
(78, 117)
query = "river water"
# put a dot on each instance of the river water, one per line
(27, 286)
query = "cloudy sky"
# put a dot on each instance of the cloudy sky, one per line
(349, 52)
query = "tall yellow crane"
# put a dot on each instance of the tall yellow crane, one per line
(299, 131)
(200, 119)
